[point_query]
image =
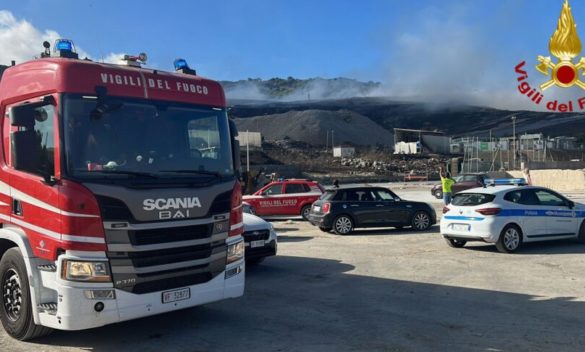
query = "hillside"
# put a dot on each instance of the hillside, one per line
(316, 127)
(292, 89)
(453, 120)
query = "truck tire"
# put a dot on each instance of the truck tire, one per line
(16, 308)
(510, 239)
(305, 210)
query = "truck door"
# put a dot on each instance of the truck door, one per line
(32, 159)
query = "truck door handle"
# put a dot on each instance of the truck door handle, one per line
(354, 205)
(379, 205)
(16, 207)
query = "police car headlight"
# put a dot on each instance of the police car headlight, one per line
(74, 270)
(235, 252)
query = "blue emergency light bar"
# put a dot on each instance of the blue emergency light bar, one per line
(505, 182)
(182, 66)
(63, 45)
(65, 48)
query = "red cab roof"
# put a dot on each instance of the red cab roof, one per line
(61, 75)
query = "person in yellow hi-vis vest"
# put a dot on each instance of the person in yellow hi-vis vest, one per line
(446, 183)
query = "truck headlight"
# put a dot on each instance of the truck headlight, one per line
(235, 252)
(74, 270)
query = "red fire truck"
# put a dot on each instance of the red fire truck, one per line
(119, 196)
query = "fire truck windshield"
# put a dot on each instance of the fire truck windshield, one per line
(137, 138)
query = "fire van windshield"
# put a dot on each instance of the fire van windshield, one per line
(144, 139)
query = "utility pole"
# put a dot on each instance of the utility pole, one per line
(248, 152)
(514, 138)
(332, 143)
(327, 142)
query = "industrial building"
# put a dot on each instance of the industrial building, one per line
(420, 142)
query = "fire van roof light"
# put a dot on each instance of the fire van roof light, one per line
(182, 67)
(65, 48)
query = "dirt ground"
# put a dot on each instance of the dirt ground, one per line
(375, 290)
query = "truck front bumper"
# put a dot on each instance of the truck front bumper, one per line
(77, 312)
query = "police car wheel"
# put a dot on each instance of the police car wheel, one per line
(342, 225)
(510, 239)
(420, 221)
(305, 212)
(455, 243)
(581, 237)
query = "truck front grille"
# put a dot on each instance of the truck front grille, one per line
(150, 257)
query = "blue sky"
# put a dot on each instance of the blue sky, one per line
(416, 47)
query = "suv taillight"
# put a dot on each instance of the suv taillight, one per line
(326, 207)
(446, 210)
(236, 213)
(489, 211)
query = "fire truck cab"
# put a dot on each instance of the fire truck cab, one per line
(119, 193)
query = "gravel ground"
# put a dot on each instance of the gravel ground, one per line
(375, 290)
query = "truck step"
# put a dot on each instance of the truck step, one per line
(47, 267)
(50, 308)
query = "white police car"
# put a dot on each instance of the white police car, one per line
(509, 215)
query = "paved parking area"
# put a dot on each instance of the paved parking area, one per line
(376, 290)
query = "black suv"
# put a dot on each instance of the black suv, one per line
(343, 209)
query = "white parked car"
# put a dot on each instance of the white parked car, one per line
(260, 239)
(511, 215)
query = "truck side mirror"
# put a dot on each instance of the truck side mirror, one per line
(25, 115)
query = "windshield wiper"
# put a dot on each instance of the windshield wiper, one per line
(196, 172)
(124, 172)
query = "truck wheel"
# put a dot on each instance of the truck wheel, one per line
(305, 210)
(16, 310)
(439, 194)
(342, 225)
(581, 236)
(455, 243)
(420, 221)
(510, 239)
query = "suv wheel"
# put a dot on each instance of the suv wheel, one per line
(305, 212)
(343, 225)
(510, 239)
(421, 221)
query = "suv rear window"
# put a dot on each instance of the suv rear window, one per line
(472, 199)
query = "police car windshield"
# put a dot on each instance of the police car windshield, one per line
(471, 199)
(126, 136)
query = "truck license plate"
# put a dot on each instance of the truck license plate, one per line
(460, 227)
(176, 295)
(255, 244)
